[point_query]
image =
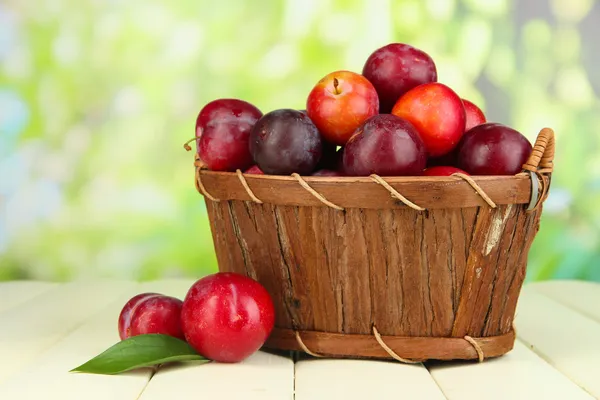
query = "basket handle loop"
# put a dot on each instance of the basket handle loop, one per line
(540, 164)
(542, 157)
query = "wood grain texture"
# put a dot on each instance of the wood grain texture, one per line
(439, 273)
(362, 192)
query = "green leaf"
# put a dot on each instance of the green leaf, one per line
(139, 351)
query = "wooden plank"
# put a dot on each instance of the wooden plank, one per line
(363, 379)
(563, 337)
(13, 293)
(262, 376)
(520, 374)
(39, 323)
(581, 296)
(50, 374)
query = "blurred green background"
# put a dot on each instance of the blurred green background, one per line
(97, 97)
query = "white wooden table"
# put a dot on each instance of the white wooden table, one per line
(46, 329)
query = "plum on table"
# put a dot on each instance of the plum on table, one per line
(227, 317)
(149, 313)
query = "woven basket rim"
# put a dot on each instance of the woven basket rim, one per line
(365, 179)
(530, 186)
(419, 193)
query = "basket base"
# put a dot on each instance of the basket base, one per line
(339, 345)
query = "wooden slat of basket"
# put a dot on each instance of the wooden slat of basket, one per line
(362, 192)
(494, 271)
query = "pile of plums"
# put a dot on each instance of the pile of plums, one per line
(394, 119)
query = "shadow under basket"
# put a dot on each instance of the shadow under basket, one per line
(405, 268)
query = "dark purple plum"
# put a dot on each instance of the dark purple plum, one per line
(330, 157)
(395, 69)
(223, 127)
(286, 141)
(493, 149)
(385, 145)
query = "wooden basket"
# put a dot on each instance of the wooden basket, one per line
(410, 268)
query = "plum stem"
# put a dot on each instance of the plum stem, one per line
(186, 144)
(335, 86)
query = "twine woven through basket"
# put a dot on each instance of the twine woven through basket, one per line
(537, 169)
